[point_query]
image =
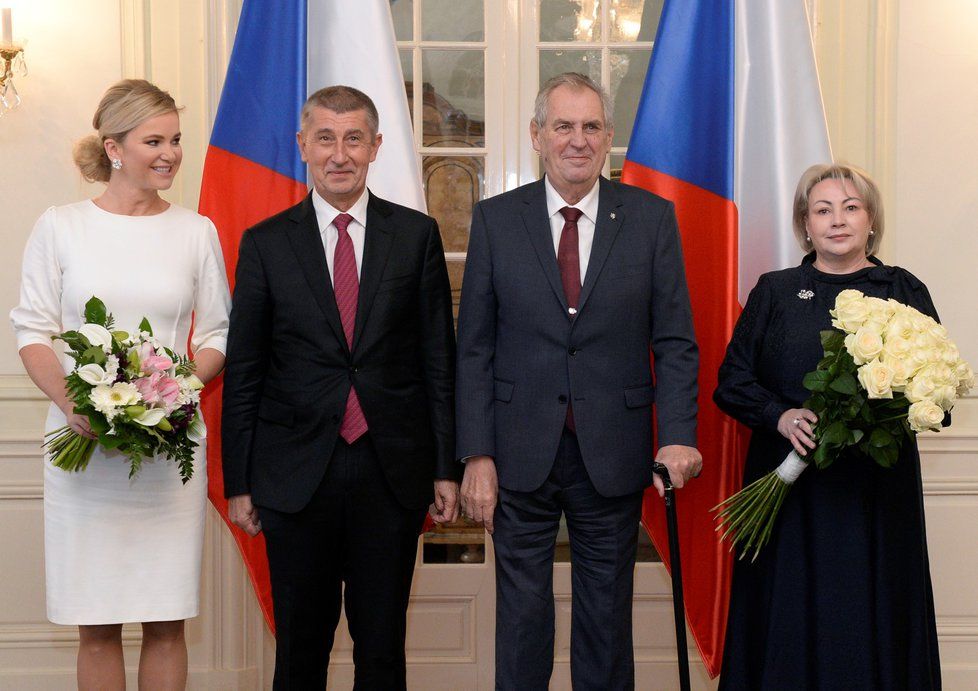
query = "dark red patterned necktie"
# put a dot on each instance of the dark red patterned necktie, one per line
(569, 257)
(569, 262)
(346, 287)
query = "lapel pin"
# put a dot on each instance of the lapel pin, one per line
(612, 215)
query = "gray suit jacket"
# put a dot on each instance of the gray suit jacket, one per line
(521, 356)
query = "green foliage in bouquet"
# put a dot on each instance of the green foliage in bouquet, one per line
(166, 436)
(847, 417)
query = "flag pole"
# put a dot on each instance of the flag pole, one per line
(679, 609)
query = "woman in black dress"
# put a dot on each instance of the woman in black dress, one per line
(841, 596)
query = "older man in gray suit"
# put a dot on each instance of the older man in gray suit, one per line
(569, 282)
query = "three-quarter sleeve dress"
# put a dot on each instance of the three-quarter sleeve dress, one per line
(119, 549)
(841, 596)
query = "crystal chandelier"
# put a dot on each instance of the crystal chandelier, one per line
(11, 64)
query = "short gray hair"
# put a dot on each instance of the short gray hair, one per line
(576, 81)
(342, 99)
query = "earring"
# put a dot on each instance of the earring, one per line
(872, 232)
(116, 164)
(808, 238)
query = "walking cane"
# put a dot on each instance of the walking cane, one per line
(679, 609)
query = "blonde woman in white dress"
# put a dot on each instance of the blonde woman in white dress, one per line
(120, 550)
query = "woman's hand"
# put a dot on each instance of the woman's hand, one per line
(797, 425)
(77, 423)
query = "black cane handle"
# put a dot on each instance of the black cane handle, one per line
(663, 472)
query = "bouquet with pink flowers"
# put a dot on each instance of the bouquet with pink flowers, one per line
(139, 396)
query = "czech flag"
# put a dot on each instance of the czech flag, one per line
(283, 51)
(730, 116)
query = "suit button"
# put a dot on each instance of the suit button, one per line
(562, 398)
(572, 350)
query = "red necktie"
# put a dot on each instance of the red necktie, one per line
(569, 262)
(569, 257)
(346, 287)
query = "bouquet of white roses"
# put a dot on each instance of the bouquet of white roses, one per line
(139, 397)
(888, 372)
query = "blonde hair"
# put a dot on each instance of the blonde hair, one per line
(124, 106)
(865, 187)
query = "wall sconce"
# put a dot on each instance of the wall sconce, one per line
(11, 63)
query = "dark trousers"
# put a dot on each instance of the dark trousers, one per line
(353, 533)
(603, 538)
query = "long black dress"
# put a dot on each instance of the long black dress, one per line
(841, 596)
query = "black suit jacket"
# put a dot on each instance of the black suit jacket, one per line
(289, 369)
(521, 357)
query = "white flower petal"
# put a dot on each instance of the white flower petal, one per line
(197, 430)
(94, 374)
(97, 335)
(151, 417)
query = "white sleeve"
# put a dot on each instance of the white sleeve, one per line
(212, 303)
(38, 315)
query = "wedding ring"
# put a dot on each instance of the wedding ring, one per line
(796, 421)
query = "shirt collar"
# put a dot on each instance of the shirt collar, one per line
(588, 204)
(326, 212)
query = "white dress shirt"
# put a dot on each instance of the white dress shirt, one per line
(325, 213)
(585, 224)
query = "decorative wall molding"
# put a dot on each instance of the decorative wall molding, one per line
(136, 39)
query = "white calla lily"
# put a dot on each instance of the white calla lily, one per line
(197, 430)
(152, 417)
(94, 374)
(97, 335)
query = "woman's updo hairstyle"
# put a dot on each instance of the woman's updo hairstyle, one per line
(124, 106)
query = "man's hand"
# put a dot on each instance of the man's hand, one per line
(683, 462)
(244, 514)
(445, 507)
(480, 490)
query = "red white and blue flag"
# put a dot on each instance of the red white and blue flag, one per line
(730, 116)
(283, 51)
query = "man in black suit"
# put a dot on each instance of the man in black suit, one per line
(338, 401)
(568, 283)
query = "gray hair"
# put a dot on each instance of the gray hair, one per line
(342, 99)
(576, 81)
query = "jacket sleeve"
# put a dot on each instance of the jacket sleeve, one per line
(739, 393)
(249, 336)
(673, 340)
(475, 421)
(438, 357)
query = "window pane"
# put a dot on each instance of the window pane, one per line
(452, 20)
(570, 20)
(634, 20)
(402, 12)
(554, 62)
(617, 161)
(452, 186)
(461, 542)
(407, 69)
(628, 69)
(454, 97)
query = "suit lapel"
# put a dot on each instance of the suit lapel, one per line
(376, 248)
(307, 244)
(537, 224)
(606, 227)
